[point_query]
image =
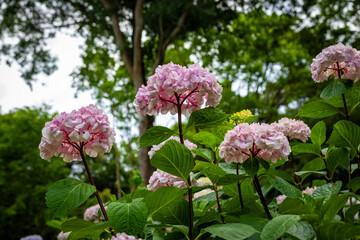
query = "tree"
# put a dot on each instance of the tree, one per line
(128, 37)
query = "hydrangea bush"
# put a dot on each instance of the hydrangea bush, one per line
(228, 180)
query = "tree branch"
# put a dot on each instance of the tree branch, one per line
(119, 37)
(163, 45)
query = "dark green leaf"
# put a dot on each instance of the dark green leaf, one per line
(318, 134)
(66, 195)
(232, 231)
(90, 232)
(264, 163)
(206, 118)
(354, 184)
(346, 134)
(75, 225)
(230, 179)
(337, 231)
(318, 109)
(276, 227)
(305, 174)
(333, 89)
(332, 206)
(302, 231)
(293, 206)
(155, 136)
(327, 190)
(128, 217)
(174, 158)
(338, 157)
(286, 188)
(176, 213)
(212, 216)
(351, 212)
(207, 139)
(205, 153)
(305, 148)
(251, 166)
(314, 165)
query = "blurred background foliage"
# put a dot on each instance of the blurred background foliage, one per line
(261, 52)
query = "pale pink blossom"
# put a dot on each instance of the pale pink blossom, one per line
(124, 236)
(203, 193)
(309, 191)
(335, 57)
(160, 179)
(63, 236)
(93, 213)
(293, 129)
(172, 85)
(187, 144)
(32, 237)
(280, 199)
(257, 139)
(203, 182)
(87, 129)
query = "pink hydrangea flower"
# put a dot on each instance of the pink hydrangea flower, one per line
(187, 144)
(63, 236)
(87, 128)
(280, 199)
(259, 139)
(191, 85)
(326, 63)
(92, 213)
(293, 128)
(124, 236)
(160, 179)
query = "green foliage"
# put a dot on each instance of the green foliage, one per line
(206, 118)
(84, 229)
(67, 194)
(286, 188)
(155, 136)
(333, 89)
(317, 109)
(231, 231)
(276, 227)
(345, 134)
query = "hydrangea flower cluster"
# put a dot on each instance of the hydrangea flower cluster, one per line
(87, 129)
(92, 213)
(187, 144)
(191, 85)
(261, 140)
(160, 179)
(293, 129)
(326, 63)
(240, 116)
(124, 236)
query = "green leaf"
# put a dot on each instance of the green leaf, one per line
(229, 179)
(305, 148)
(176, 213)
(256, 222)
(206, 118)
(305, 174)
(205, 153)
(181, 228)
(327, 190)
(337, 230)
(285, 188)
(174, 158)
(333, 89)
(251, 166)
(67, 194)
(84, 229)
(232, 231)
(346, 134)
(213, 172)
(338, 157)
(354, 184)
(128, 217)
(318, 109)
(205, 138)
(302, 231)
(293, 206)
(161, 198)
(351, 212)
(211, 216)
(75, 225)
(318, 134)
(332, 206)
(155, 136)
(276, 227)
(264, 163)
(314, 165)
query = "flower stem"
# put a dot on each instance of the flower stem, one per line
(217, 194)
(294, 169)
(96, 191)
(262, 198)
(191, 207)
(343, 95)
(239, 187)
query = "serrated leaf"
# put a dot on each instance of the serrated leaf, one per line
(305, 174)
(176, 213)
(318, 134)
(128, 217)
(276, 227)
(161, 198)
(205, 138)
(305, 148)
(316, 110)
(213, 172)
(155, 136)
(251, 166)
(337, 230)
(67, 194)
(232, 231)
(230, 179)
(351, 212)
(211, 216)
(327, 190)
(206, 118)
(333, 89)
(338, 157)
(302, 231)
(293, 206)
(332, 206)
(204, 153)
(354, 184)
(286, 188)
(314, 165)
(346, 134)
(92, 231)
(174, 158)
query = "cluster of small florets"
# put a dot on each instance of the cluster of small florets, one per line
(93, 213)
(240, 117)
(293, 129)
(172, 85)
(124, 236)
(334, 58)
(247, 139)
(87, 126)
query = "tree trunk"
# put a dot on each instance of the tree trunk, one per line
(145, 167)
